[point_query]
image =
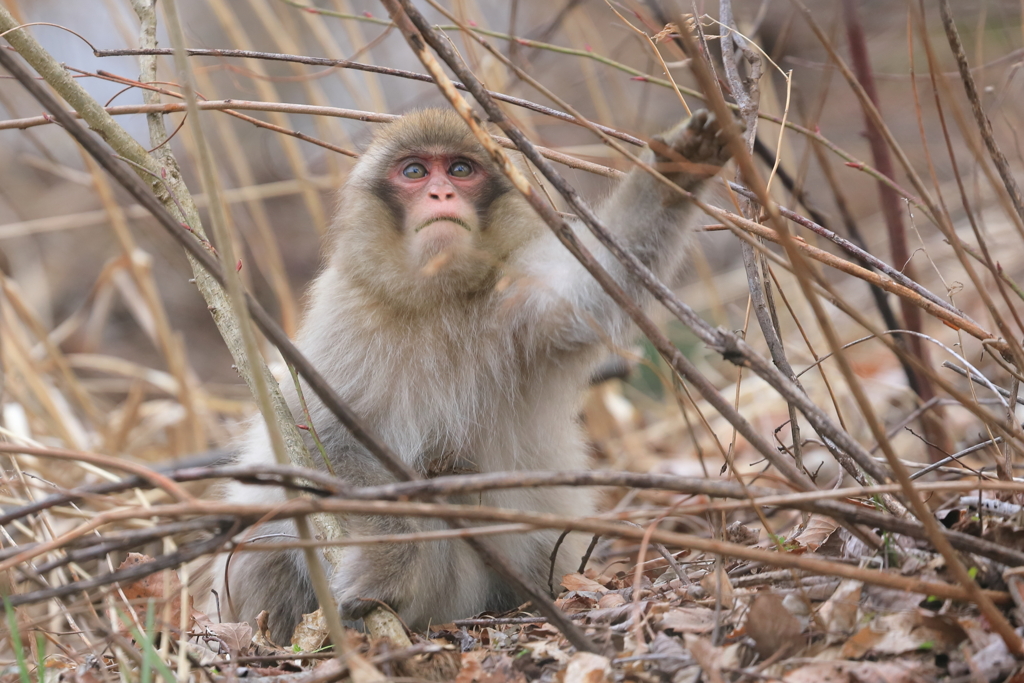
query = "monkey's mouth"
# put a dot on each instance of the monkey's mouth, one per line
(450, 219)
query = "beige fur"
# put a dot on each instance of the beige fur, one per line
(477, 362)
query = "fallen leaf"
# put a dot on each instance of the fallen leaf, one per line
(895, 634)
(860, 672)
(575, 602)
(818, 530)
(993, 657)
(710, 585)
(236, 636)
(494, 639)
(432, 666)
(472, 671)
(1005, 534)
(617, 614)
(311, 633)
(586, 667)
(262, 638)
(772, 626)
(707, 656)
(546, 650)
(839, 613)
(861, 642)
(578, 582)
(481, 666)
(689, 620)
(672, 656)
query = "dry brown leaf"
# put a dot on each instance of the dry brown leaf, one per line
(577, 602)
(707, 656)
(772, 626)
(710, 585)
(311, 633)
(861, 642)
(539, 631)
(818, 530)
(361, 670)
(471, 671)
(895, 634)
(262, 638)
(994, 656)
(432, 666)
(839, 613)
(586, 667)
(688, 620)
(611, 600)
(236, 636)
(481, 666)
(578, 582)
(494, 639)
(614, 615)
(543, 650)
(152, 588)
(859, 672)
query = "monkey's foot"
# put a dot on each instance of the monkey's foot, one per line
(361, 598)
(374, 577)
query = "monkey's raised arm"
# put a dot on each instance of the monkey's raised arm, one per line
(648, 218)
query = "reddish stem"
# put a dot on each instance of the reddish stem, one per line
(892, 211)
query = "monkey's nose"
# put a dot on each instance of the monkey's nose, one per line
(442, 193)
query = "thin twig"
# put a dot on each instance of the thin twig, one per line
(370, 68)
(955, 457)
(298, 507)
(756, 183)
(817, 137)
(980, 380)
(892, 212)
(229, 107)
(319, 483)
(746, 92)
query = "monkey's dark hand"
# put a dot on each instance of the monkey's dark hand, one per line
(693, 151)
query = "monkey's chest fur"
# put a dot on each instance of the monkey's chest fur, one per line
(455, 389)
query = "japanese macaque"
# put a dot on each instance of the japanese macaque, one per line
(453, 322)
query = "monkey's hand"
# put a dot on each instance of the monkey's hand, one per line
(693, 151)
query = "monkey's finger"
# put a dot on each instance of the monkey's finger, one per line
(698, 120)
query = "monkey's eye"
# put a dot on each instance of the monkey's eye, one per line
(414, 171)
(460, 169)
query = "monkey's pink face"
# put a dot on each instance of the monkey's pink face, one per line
(440, 194)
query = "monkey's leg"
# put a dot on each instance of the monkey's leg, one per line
(531, 553)
(433, 581)
(277, 581)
